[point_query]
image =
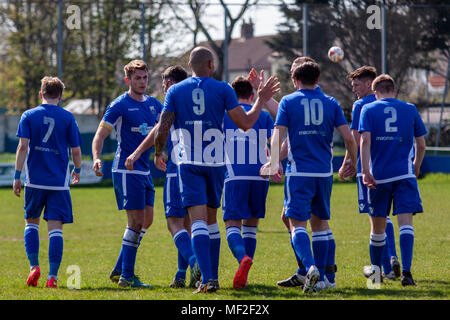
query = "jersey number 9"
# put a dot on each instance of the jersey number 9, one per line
(198, 97)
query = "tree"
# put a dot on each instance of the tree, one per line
(197, 8)
(344, 23)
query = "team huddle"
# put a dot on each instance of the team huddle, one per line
(217, 148)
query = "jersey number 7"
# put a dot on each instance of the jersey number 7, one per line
(51, 125)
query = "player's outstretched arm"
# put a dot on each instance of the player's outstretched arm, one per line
(21, 155)
(368, 179)
(97, 146)
(161, 135)
(148, 142)
(76, 158)
(255, 80)
(246, 120)
(419, 154)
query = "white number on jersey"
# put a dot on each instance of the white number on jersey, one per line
(198, 97)
(389, 121)
(51, 125)
(313, 111)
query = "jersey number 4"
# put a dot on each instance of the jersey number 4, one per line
(313, 111)
(51, 125)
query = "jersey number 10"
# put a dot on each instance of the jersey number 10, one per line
(313, 111)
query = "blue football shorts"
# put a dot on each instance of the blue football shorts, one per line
(363, 204)
(402, 194)
(200, 185)
(173, 206)
(133, 191)
(57, 204)
(244, 199)
(307, 195)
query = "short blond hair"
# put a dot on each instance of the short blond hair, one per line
(51, 87)
(133, 66)
(383, 84)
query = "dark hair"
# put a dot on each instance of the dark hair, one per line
(242, 87)
(51, 87)
(307, 73)
(364, 72)
(175, 73)
(383, 84)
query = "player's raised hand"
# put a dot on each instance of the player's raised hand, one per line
(17, 187)
(267, 90)
(255, 79)
(97, 167)
(369, 180)
(160, 162)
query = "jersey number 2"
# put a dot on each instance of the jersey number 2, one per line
(51, 125)
(389, 121)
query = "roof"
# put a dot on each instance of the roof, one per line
(243, 54)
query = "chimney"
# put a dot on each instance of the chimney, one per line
(247, 29)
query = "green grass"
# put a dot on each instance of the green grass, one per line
(93, 243)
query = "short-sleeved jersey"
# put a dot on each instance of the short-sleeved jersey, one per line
(199, 104)
(356, 113)
(310, 117)
(51, 131)
(246, 151)
(392, 124)
(132, 120)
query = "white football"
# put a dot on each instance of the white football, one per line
(336, 54)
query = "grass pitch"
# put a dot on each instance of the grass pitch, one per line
(92, 244)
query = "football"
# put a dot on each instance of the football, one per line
(336, 54)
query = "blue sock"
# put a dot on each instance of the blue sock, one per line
(386, 257)
(320, 249)
(31, 239)
(249, 236)
(55, 251)
(390, 238)
(377, 244)
(214, 236)
(236, 243)
(130, 244)
(302, 246)
(301, 268)
(331, 256)
(182, 266)
(118, 266)
(406, 246)
(183, 243)
(200, 246)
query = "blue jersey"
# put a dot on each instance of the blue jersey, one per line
(356, 113)
(51, 131)
(246, 151)
(393, 124)
(310, 117)
(132, 120)
(199, 104)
